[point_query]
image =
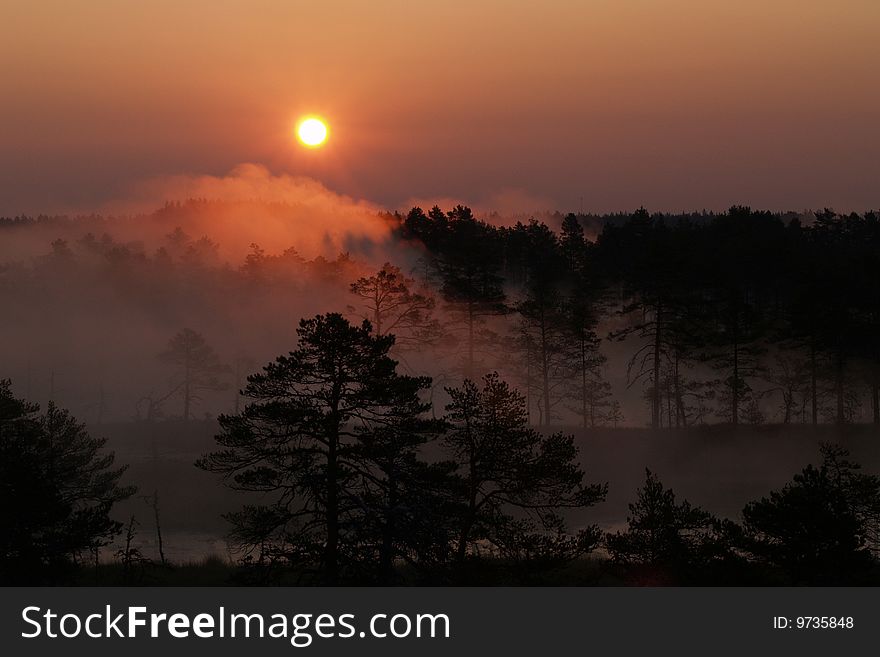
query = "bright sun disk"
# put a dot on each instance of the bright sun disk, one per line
(312, 132)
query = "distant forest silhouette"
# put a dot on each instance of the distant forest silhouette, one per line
(412, 435)
(742, 317)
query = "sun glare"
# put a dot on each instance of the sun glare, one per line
(312, 132)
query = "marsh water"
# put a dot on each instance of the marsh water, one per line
(718, 468)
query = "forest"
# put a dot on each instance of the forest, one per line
(661, 321)
(413, 409)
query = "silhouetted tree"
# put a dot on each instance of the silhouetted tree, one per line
(587, 387)
(198, 367)
(391, 305)
(861, 490)
(130, 556)
(573, 245)
(57, 490)
(664, 537)
(513, 480)
(742, 280)
(805, 311)
(471, 286)
(407, 501)
(790, 378)
(653, 263)
(543, 329)
(328, 435)
(260, 268)
(818, 528)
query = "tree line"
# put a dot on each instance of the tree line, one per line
(371, 470)
(740, 317)
(357, 483)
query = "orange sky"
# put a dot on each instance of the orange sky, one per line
(673, 104)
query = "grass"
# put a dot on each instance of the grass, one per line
(210, 571)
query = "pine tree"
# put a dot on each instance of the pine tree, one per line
(471, 285)
(389, 301)
(198, 367)
(329, 435)
(57, 489)
(513, 480)
(818, 529)
(667, 536)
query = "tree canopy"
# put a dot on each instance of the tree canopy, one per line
(58, 488)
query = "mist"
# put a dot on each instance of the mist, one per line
(97, 295)
(94, 298)
(92, 302)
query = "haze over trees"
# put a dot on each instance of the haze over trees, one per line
(197, 368)
(393, 306)
(517, 330)
(652, 320)
(467, 260)
(335, 436)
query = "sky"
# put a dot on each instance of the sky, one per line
(604, 105)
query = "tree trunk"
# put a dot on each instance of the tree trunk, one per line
(681, 415)
(158, 527)
(814, 402)
(545, 370)
(331, 550)
(584, 382)
(377, 315)
(467, 525)
(839, 387)
(875, 400)
(655, 392)
(469, 374)
(734, 390)
(386, 554)
(529, 386)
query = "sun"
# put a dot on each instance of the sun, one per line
(312, 131)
